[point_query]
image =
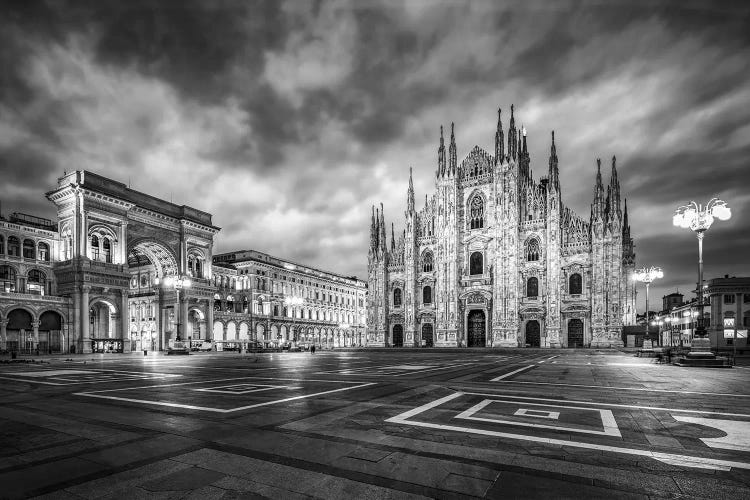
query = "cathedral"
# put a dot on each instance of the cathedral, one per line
(496, 259)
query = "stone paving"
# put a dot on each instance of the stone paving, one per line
(385, 424)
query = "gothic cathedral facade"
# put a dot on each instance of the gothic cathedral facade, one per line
(495, 259)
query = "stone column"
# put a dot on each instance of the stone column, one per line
(35, 326)
(184, 316)
(124, 321)
(3, 334)
(209, 319)
(85, 341)
(75, 334)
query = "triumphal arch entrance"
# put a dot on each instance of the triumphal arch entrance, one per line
(117, 247)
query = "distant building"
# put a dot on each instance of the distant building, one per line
(252, 295)
(671, 301)
(93, 280)
(495, 258)
(730, 311)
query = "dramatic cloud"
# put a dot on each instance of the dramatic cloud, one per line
(289, 120)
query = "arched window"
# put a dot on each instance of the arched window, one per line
(198, 268)
(14, 246)
(29, 250)
(476, 263)
(107, 247)
(427, 262)
(574, 284)
(36, 281)
(2, 244)
(532, 250)
(94, 247)
(7, 278)
(427, 295)
(476, 210)
(532, 287)
(191, 265)
(397, 297)
(43, 252)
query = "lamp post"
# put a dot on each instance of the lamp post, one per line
(699, 219)
(291, 302)
(668, 321)
(176, 283)
(647, 275)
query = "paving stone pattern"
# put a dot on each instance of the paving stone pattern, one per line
(419, 423)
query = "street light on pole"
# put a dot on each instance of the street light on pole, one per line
(699, 219)
(176, 283)
(647, 275)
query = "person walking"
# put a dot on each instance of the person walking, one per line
(312, 349)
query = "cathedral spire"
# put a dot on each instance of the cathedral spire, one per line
(499, 140)
(598, 208)
(410, 195)
(554, 172)
(393, 239)
(615, 183)
(372, 230)
(381, 236)
(523, 133)
(441, 154)
(625, 223)
(512, 135)
(452, 152)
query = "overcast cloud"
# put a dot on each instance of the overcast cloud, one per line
(287, 121)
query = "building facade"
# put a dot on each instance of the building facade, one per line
(279, 301)
(729, 319)
(94, 280)
(495, 258)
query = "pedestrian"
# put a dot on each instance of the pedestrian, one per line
(312, 349)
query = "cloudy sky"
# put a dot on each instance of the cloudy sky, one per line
(288, 120)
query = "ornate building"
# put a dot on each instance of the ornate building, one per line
(94, 279)
(494, 258)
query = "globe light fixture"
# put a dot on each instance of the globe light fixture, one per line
(699, 219)
(647, 275)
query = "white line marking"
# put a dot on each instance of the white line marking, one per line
(30, 381)
(684, 460)
(608, 420)
(511, 373)
(617, 405)
(738, 432)
(221, 380)
(547, 359)
(609, 388)
(216, 410)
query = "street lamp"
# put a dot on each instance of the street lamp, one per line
(647, 275)
(291, 302)
(699, 219)
(176, 283)
(668, 320)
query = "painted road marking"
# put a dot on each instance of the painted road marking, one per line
(97, 394)
(738, 432)
(511, 373)
(389, 370)
(670, 458)
(615, 405)
(64, 377)
(523, 412)
(244, 388)
(547, 359)
(642, 389)
(607, 419)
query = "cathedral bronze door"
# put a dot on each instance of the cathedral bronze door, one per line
(532, 333)
(427, 335)
(575, 333)
(398, 336)
(476, 332)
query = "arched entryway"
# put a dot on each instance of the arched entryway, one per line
(398, 336)
(19, 331)
(476, 335)
(533, 337)
(575, 333)
(102, 325)
(50, 326)
(427, 335)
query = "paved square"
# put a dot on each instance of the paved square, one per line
(375, 424)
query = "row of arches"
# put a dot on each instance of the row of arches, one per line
(35, 282)
(241, 331)
(260, 307)
(28, 249)
(24, 332)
